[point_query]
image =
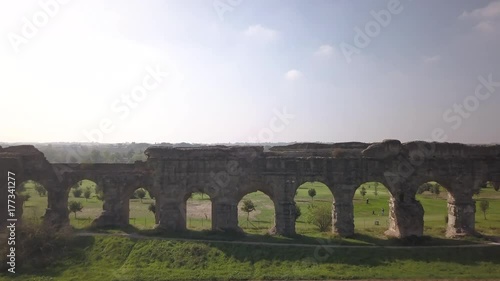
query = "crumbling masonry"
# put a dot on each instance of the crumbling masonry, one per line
(227, 174)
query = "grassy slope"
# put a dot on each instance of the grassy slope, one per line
(118, 258)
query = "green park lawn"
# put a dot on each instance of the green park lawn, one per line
(122, 258)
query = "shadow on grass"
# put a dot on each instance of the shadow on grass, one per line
(114, 251)
(358, 239)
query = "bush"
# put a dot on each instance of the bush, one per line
(298, 212)
(87, 193)
(77, 192)
(320, 216)
(152, 208)
(40, 189)
(37, 246)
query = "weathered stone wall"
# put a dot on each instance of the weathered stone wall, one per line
(227, 174)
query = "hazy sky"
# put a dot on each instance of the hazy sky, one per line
(249, 71)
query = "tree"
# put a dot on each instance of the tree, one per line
(312, 193)
(77, 192)
(24, 197)
(298, 212)
(87, 193)
(99, 194)
(75, 206)
(425, 187)
(248, 207)
(152, 208)
(140, 193)
(363, 192)
(436, 190)
(40, 189)
(96, 157)
(484, 205)
(320, 216)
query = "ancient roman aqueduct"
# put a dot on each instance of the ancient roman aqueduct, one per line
(226, 174)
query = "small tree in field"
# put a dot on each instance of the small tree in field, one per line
(40, 189)
(363, 192)
(140, 193)
(248, 207)
(320, 216)
(152, 208)
(75, 206)
(312, 193)
(484, 205)
(436, 190)
(77, 192)
(87, 193)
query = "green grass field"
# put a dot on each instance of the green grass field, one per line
(112, 257)
(121, 258)
(365, 215)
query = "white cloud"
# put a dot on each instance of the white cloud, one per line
(259, 32)
(432, 59)
(293, 74)
(325, 51)
(492, 10)
(485, 27)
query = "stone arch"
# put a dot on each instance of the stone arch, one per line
(371, 211)
(323, 197)
(136, 211)
(198, 209)
(92, 207)
(431, 195)
(264, 217)
(34, 208)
